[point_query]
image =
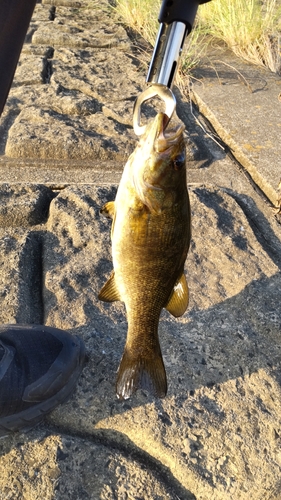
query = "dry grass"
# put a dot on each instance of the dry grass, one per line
(140, 15)
(251, 28)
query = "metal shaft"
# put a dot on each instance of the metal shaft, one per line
(167, 51)
(176, 20)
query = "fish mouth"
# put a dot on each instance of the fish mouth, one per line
(161, 137)
(167, 136)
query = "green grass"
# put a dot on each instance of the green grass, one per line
(250, 28)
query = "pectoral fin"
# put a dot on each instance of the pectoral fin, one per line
(109, 291)
(108, 209)
(178, 300)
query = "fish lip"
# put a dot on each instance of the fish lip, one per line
(166, 138)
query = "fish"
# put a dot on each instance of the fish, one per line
(150, 234)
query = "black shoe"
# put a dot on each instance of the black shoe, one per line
(39, 367)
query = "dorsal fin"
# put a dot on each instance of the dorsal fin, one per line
(178, 300)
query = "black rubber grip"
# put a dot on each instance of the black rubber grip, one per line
(179, 10)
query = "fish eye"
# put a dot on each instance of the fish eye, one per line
(179, 161)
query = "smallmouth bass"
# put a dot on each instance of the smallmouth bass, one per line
(150, 236)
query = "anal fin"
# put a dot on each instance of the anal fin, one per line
(178, 301)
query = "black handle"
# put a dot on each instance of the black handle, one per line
(179, 10)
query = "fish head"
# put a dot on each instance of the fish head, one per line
(159, 170)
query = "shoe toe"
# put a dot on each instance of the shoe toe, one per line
(40, 367)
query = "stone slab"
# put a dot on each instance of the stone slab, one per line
(20, 276)
(42, 13)
(30, 71)
(22, 207)
(91, 72)
(56, 80)
(47, 133)
(77, 115)
(24, 204)
(243, 104)
(222, 356)
(221, 419)
(82, 28)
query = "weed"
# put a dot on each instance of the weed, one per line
(251, 28)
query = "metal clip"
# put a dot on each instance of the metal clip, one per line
(154, 90)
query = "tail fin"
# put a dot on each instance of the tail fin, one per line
(141, 373)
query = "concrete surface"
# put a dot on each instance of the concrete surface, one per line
(243, 103)
(65, 135)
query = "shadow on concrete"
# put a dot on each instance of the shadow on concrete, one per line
(85, 465)
(227, 341)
